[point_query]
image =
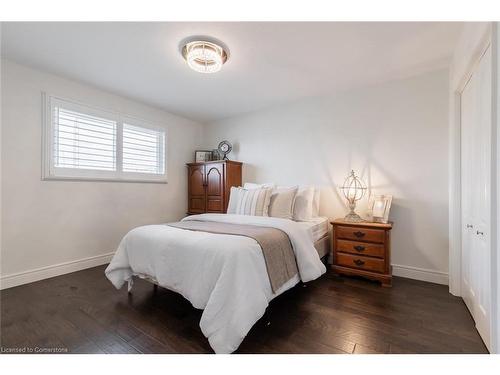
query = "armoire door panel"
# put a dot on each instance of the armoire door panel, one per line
(215, 180)
(215, 188)
(197, 205)
(197, 180)
(196, 189)
(215, 205)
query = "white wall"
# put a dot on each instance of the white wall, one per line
(394, 135)
(59, 223)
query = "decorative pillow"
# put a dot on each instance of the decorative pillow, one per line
(315, 206)
(282, 200)
(303, 207)
(249, 201)
(252, 185)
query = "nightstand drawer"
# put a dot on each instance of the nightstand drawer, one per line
(360, 262)
(360, 234)
(361, 248)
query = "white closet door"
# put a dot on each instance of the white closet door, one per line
(476, 195)
(483, 216)
(468, 104)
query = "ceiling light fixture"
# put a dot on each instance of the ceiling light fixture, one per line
(203, 56)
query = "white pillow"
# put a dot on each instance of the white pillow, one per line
(303, 207)
(282, 201)
(253, 202)
(252, 185)
(315, 206)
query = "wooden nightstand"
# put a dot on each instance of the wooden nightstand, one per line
(362, 249)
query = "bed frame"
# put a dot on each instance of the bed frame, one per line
(323, 247)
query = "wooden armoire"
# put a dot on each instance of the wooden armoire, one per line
(209, 184)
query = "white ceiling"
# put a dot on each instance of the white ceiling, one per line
(269, 63)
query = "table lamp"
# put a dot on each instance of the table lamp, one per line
(353, 190)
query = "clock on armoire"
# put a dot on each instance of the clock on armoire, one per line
(209, 185)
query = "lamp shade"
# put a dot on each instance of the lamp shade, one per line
(353, 188)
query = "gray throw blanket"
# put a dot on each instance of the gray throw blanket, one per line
(276, 247)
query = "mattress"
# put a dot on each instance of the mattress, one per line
(317, 227)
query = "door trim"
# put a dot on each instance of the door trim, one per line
(495, 201)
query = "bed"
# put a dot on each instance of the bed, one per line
(226, 275)
(319, 228)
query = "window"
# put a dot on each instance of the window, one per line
(86, 143)
(83, 141)
(142, 150)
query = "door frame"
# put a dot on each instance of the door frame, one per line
(495, 180)
(455, 210)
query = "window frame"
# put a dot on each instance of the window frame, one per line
(50, 172)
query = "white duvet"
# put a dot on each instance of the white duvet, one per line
(225, 275)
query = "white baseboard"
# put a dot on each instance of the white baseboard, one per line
(423, 274)
(15, 279)
(25, 277)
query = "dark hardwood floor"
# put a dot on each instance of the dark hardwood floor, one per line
(83, 313)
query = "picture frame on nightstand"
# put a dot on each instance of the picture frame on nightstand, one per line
(379, 207)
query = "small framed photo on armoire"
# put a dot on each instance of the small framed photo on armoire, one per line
(201, 156)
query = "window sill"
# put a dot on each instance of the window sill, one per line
(105, 179)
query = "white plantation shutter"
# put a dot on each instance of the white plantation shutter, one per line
(81, 142)
(143, 150)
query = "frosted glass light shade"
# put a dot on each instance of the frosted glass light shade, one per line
(204, 57)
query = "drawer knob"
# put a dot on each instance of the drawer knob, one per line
(359, 248)
(358, 262)
(359, 234)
